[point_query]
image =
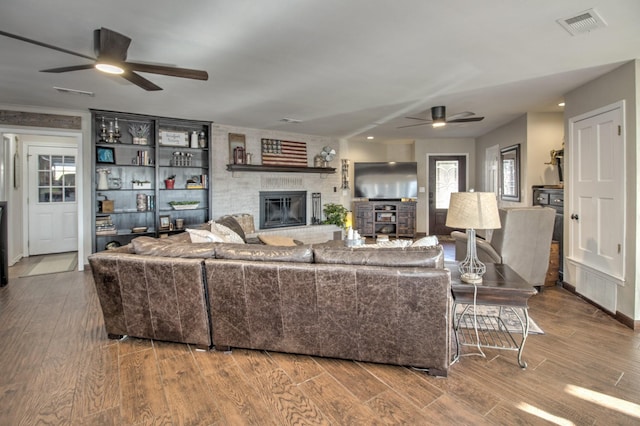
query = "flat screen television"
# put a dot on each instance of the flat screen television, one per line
(385, 181)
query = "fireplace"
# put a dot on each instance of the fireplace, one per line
(283, 208)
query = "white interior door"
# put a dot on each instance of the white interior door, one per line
(491, 161)
(597, 201)
(53, 209)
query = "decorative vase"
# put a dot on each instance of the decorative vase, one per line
(103, 181)
(194, 139)
(168, 183)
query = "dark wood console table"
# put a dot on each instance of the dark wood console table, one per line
(502, 288)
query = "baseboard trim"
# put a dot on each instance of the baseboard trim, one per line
(618, 316)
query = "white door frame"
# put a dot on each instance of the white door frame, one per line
(77, 135)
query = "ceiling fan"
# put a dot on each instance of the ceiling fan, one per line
(110, 49)
(439, 118)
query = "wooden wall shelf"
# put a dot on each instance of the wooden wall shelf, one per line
(278, 169)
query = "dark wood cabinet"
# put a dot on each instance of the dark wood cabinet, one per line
(392, 218)
(553, 196)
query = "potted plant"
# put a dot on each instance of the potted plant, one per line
(140, 132)
(170, 181)
(335, 214)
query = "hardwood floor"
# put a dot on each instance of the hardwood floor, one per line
(58, 367)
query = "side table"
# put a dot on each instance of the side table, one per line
(501, 287)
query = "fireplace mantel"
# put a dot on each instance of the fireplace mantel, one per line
(278, 169)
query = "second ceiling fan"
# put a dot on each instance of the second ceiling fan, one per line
(439, 118)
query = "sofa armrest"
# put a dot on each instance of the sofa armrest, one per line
(486, 253)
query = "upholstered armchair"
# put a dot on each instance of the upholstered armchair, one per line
(523, 242)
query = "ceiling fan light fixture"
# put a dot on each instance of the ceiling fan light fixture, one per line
(109, 68)
(440, 122)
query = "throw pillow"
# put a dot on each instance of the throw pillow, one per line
(428, 241)
(231, 223)
(277, 240)
(226, 233)
(203, 236)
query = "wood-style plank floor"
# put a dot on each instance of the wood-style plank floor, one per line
(57, 367)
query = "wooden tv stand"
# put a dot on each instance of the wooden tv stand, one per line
(392, 218)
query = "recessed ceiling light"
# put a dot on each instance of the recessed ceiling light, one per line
(370, 137)
(561, 104)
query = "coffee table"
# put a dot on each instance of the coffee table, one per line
(501, 287)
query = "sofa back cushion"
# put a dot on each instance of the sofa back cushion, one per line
(428, 257)
(148, 246)
(298, 254)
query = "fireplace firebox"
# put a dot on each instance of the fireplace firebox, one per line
(283, 208)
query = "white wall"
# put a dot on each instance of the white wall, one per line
(239, 192)
(622, 83)
(81, 137)
(512, 133)
(545, 132)
(537, 134)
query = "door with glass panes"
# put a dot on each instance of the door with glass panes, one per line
(53, 207)
(447, 174)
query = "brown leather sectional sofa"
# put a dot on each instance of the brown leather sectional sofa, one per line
(385, 305)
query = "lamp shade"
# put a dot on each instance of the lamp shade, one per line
(473, 210)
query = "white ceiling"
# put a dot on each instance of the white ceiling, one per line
(346, 68)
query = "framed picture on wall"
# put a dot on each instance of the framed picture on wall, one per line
(165, 222)
(510, 173)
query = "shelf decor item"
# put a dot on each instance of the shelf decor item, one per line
(471, 211)
(103, 181)
(184, 205)
(169, 183)
(140, 133)
(105, 155)
(237, 148)
(174, 138)
(165, 222)
(140, 184)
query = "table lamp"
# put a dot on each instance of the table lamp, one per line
(471, 211)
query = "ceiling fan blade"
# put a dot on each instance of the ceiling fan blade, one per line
(418, 118)
(463, 114)
(71, 68)
(140, 81)
(170, 71)
(48, 46)
(110, 45)
(466, 120)
(414, 125)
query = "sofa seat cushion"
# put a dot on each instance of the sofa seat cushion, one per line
(148, 246)
(428, 257)
(296, 254)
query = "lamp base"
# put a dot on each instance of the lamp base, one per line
(471, 278)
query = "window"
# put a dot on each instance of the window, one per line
(56, 178)
(447, 181)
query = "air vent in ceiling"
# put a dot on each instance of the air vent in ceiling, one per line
(583, 22)
(74, 91)
(291, 120)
